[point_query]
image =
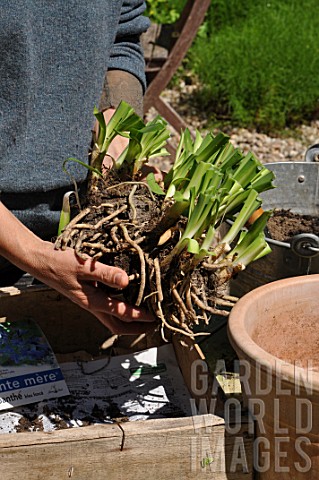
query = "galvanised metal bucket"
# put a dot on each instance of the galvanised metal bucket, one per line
(297, 190)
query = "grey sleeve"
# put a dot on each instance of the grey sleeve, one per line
(127, 53)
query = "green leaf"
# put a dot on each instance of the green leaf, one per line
(88, 167)
(193, 246)
(154, 186)
(65, 215)
(102, 126)
(251, 204)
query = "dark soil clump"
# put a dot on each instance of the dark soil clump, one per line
(285, 224)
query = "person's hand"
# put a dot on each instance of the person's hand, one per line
(79, 281)
(74, 278)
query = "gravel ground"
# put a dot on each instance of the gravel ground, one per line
(290, 147)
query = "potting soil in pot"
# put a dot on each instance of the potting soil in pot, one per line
(285, 224)
(291, 336)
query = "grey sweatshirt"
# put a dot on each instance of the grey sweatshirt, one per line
(53, 59)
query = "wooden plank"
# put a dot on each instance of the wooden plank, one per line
(173, 448)
(99, 431)
(152, 50)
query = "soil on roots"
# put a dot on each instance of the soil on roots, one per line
(123, 224)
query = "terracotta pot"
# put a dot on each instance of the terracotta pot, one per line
(283, 397)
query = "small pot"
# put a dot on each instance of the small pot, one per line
(282, 397)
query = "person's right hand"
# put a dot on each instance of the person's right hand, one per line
(74, 278)
(79, 280)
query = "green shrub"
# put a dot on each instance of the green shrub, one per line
(161, 11)
(258, 62)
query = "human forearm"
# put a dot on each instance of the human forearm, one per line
(17, 243)
(120, 85)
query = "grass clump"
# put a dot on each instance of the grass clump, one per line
(260, 69)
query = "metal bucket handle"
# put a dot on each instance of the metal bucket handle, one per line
(312, 153)
(305, 244)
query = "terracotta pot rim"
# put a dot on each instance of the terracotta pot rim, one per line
(242, 341)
